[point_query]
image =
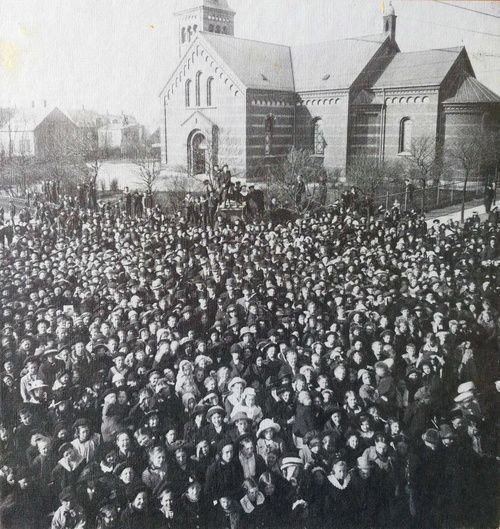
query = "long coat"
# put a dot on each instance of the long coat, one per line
(224, 479)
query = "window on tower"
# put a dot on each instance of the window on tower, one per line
(211, 28)
(210, 82)
(405, 130)
(197, 89)
(217, 29)
(183, 35)
(318, 137)
(268, 135)
(188, 93)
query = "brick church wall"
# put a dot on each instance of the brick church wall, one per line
(261, 105)
(468, 120)
(333, 110)
(227, 113)
(420, 107)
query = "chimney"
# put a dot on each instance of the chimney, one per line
(389, 21)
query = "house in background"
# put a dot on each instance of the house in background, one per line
(41, 131)
(119, 135)
(247, 103)
(17, 130)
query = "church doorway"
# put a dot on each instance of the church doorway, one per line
(197, 153)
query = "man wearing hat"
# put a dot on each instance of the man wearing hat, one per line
(225, 476)
(430, 481)
(216, 430)
(69, 514)
(294, 486)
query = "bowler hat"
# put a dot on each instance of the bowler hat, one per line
(431, 436)
(215, 409)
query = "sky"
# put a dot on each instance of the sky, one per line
(116, 55)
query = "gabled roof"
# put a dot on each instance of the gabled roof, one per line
(23, 119)
(258, 65)
(83, 118)
(418, 68)
(472, 91)
(334, 64)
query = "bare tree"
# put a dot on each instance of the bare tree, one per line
(299, 180)
(421, 163)
(89, 151)
(149, 166)
(468, 153)
(372, 176)
(16, 163)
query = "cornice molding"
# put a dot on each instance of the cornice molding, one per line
(199, 50)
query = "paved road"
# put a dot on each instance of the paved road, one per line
(455, 215)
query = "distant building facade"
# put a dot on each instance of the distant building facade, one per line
(120, 135)
(247, 103)
(41, 132)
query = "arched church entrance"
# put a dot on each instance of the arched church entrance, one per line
(197, 153)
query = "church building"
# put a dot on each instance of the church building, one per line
(247, 103)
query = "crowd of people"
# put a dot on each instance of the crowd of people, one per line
(329, 372)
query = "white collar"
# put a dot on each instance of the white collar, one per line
(248, 506)
(335, 482)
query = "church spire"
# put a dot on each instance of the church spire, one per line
(390, 21)
(214, 16)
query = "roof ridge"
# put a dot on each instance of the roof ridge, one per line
(218, 35)
(451, 48)
(472, 88)
(359, 37)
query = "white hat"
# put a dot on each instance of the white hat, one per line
(464, 396)
(38, 384)
(267, 424)
(245, 330)
(236, 380)
(305, 369)
(389, 362)
(249, 391)
(291, 462)
(203, 358)
(362, 373)
(465, 387)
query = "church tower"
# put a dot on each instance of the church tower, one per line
(390, 21)
(214, 16)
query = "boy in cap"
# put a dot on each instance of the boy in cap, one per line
(69, 515)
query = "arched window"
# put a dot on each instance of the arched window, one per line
(268, 135)
(318, 137)
(197, 89)
(224, 29)
(405, 135)
(211, 28)
(195, 28)
(188, 93)
(210, 82)
(217, 29)
(183, 35)
(189, 33)
(486, 123)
